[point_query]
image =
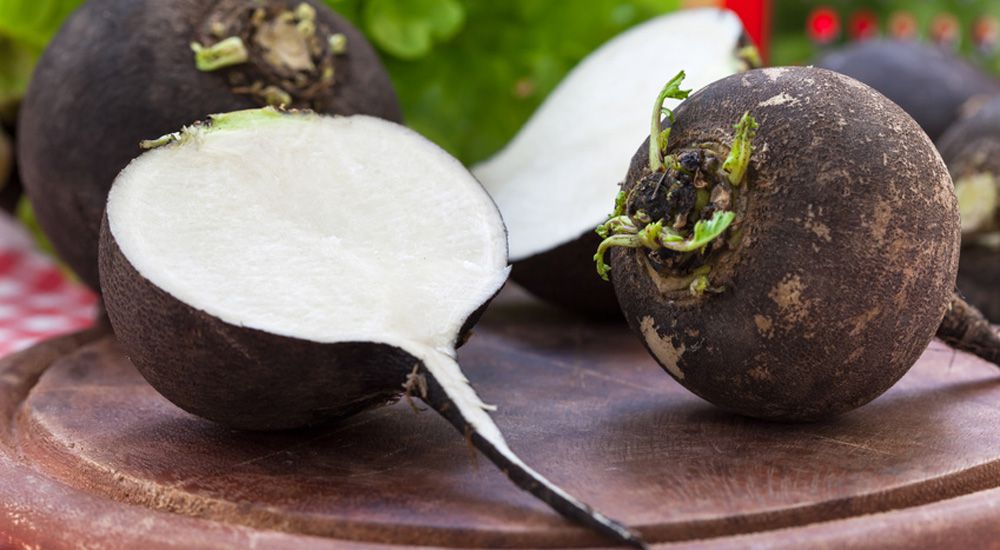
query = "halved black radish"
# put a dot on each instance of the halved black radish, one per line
(269, 270)
(120, 71)
(552, 181)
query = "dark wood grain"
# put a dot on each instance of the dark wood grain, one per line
(89, 452)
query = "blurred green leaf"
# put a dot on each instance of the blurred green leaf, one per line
(25, 27)
(16, 64)
(471, 91)
(408, 29)
(33, 22)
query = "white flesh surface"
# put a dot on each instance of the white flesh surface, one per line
(319, 228)
(558, 177)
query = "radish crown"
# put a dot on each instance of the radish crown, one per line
(277, 55)
(621, 232)
(684, 203)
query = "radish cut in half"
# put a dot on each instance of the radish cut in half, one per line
(270, 270)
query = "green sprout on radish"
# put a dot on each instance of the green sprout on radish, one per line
(710, 195)
(655, 236)
(658, 138)
(739, 155)
(226, 53)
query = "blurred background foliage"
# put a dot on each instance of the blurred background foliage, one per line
(468, 72)
(791, 43)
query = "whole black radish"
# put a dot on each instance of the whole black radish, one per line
(788, 247)
(120, 71)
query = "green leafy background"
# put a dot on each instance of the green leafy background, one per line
(468, 72)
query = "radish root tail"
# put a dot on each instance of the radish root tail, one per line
(495, 449)
(966, 329)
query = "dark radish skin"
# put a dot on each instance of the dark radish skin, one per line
(971, 149)
(839, 261)
(120, 71)
(228, 315)
(928, 82)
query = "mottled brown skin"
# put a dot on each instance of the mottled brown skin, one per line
(847, 262)
(121, 71)
(928, 82)
(972, 146)
(577, 289)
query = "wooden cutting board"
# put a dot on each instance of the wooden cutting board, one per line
(91, 455)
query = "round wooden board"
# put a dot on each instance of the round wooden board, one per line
(91, 455)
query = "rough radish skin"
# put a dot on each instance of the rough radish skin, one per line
(269, 271)
(838, 267)
(971, 149)
(120, 71)
(552, 181)
(928, 82)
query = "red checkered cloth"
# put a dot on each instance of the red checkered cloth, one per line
(36, 300)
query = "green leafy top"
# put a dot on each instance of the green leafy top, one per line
(738, 161)
(658, 138)
(706, 231)
(655, 236)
